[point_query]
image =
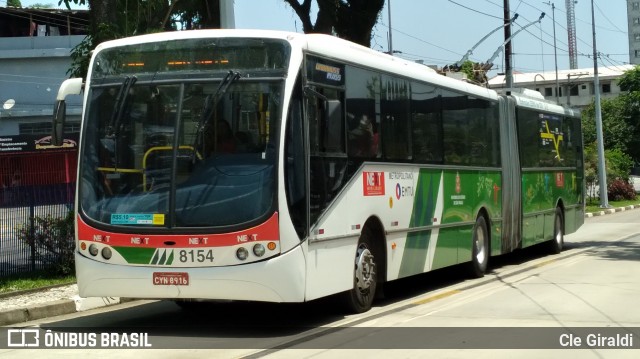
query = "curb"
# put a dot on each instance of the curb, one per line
(21, 315)
(611, 211)
(56, 308)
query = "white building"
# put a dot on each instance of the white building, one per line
(575, 86)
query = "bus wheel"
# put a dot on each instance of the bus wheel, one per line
(557, 242)
(480, 251)
(360, 298)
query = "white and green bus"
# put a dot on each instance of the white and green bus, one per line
(283, 167)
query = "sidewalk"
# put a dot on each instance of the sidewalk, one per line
(611, 210)
(16, 308)
(42, 303)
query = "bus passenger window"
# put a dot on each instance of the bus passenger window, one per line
(363, 142)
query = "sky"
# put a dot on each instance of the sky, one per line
(440, 32)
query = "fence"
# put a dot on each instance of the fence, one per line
(30, 187)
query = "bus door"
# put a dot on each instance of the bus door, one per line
(327, 155)
(511, 177)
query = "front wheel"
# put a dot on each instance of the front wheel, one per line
(480, 251)
(360, 298)
(557, 242)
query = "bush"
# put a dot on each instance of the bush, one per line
(54, 241)
(619, 190)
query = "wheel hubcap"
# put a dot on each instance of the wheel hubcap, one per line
(365, 269)
(480, 239)
(558, 230)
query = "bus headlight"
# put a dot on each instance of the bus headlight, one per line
(242, 253)
(258, 250)
(93, 250)
(106, 253)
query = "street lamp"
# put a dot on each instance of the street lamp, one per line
(569, 76)
(555, 47)
(534, 81)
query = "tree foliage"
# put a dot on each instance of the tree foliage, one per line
(617, 165)
(352, 20)
(620, 118)
(112, 19)
(53, 241)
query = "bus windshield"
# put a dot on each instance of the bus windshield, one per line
(180, 148)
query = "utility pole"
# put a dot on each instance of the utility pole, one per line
(390, 40)
(507, 48)
(555, 48)
(602, 178)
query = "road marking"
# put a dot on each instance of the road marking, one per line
(437, 297)
(544, 263)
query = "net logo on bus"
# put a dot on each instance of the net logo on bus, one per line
(373, 183)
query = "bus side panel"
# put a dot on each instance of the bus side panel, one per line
(467, 193)
(542, 191)
(330, 267)
(380, 191)
(453, 245)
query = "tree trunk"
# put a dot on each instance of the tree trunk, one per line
(103, 15)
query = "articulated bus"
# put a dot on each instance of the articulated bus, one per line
(284, 167)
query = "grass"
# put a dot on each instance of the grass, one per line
(593, 204)
(33, 280)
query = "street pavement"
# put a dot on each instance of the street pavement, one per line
(33, 305)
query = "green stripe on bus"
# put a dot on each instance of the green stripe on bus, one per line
(135, 255)
(414, 256)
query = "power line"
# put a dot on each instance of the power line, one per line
(606, 18)
(474, 10)
(419, 39)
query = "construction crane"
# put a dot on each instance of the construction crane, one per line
(571, 33)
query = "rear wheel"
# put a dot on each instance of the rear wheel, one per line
(480, 251)
(557, 242)
(360, 298)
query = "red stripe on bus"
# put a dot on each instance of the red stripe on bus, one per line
(267, 231)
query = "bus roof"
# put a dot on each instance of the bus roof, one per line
(325, 45)
(339, 49)
(346, 51)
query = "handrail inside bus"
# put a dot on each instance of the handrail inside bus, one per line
(143, 170)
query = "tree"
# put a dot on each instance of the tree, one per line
(620, 118)
(351, 20)
(14, 3)
(112, 19)
(615, 124)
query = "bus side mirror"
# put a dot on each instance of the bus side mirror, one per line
(68, 87)
(333, 120)
(59, 114)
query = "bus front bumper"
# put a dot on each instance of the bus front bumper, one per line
(279, 279)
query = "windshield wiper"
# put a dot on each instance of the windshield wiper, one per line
(118, 106)
(116, 115)
(211, 102)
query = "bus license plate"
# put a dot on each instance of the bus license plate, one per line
(170, 278)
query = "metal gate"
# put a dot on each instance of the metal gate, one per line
(32, 186)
